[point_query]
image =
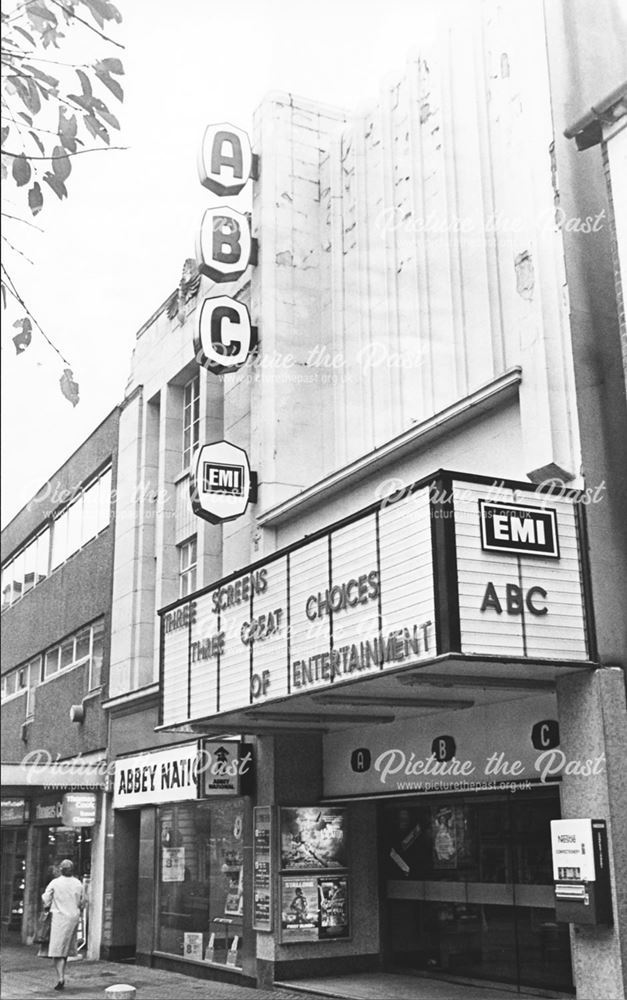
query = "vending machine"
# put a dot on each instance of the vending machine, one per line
(581, 871)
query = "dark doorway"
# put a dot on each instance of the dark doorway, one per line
(125, 881)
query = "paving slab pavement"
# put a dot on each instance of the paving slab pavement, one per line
(26, 977)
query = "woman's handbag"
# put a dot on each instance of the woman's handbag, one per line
(42, 934)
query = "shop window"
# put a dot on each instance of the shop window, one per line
(201, 896)
(187, 567)
(191, 419)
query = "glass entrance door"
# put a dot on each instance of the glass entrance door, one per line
(469, 888)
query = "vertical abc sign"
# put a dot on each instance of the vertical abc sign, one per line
(224, 336)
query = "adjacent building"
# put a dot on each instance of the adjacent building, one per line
(57, 572)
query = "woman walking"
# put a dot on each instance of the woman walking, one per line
(64, 895)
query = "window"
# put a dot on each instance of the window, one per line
(26, 569)
(187, 567)
(84, 646)
(200, 885)
(191, 419)
(82, 520)
(97, 647)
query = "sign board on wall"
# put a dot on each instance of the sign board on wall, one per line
(14, 812)
(225, 159)
(170, 774)
(362, 597)
(79, 809)
(490, 744)
(224, 336)
(221, 484)
(224, 246)
(263, 876)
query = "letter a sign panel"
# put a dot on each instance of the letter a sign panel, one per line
(224, 159)
(221, 484)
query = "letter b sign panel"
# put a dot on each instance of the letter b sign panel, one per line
(224, 337)
(224, 245)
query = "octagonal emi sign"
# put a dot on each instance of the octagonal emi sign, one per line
(221, 483)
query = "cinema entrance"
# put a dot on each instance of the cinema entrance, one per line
(468, 888)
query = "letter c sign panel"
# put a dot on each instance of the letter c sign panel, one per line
(223, 337)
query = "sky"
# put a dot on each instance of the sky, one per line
(113, 251)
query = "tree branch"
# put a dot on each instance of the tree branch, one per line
(96, 149)
(74, 15)
(16, 295)
(15, 249)
(16, 218)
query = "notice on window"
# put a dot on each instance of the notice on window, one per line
(262, 868)
(172, 864)
(192, 945)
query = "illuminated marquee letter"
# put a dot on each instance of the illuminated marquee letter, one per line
(223, 337)
(224, 246)
(225, 159)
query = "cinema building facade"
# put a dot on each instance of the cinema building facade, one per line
(368, 647)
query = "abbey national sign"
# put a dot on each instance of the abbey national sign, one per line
(404, 582)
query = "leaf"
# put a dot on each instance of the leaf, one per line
(102, 11)
(61, 166)
(37, 142)
(50, 80)
(34, 103)
(3, 289)
(35, 199)
(24, 337)
(101, 108)
(39, 10)
(5, 133)
(27, 118)
(57, 185)
(112, 84)
(69, 387)
(25, 33)
(21, 170)
(96, 129)
(112, 65)
(67, 130)
(85, 82)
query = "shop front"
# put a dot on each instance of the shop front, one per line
(195, 800)
(53, 815)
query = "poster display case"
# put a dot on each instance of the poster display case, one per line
(314, 884)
